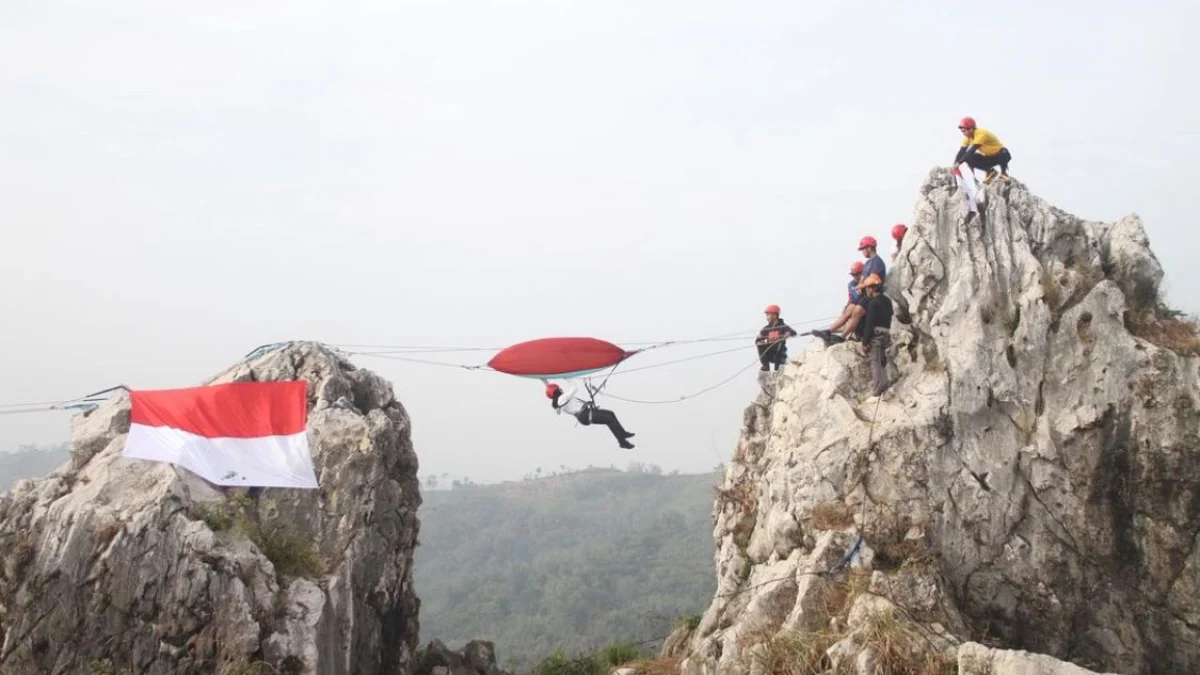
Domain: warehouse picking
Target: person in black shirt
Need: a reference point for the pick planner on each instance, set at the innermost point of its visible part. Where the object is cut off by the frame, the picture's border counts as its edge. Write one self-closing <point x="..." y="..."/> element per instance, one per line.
<point x="877" y="335"/>
<point x="772" y="340"/>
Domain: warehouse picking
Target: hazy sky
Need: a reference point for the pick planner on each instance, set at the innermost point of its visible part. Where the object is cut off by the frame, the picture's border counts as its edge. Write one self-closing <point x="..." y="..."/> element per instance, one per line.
<point x="181" y="182"/>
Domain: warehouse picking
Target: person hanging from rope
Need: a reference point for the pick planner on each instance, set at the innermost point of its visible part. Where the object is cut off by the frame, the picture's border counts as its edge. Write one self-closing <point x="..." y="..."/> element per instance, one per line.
<point x="772" y="340"/>
<point x="876" y="334"/>
<point x="587" y="413"/>
<point x="982" y="150"/>
<point x="849" y="323"/>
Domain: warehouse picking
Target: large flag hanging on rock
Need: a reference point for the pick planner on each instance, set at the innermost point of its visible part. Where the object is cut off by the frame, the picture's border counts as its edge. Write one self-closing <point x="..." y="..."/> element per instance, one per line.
<point x="243" y="434"/>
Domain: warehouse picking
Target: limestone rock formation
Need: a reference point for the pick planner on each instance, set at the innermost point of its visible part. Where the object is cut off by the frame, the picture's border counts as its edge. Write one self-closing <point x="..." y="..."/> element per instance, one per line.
<point x="1032" y="480"/>
<point x="117" y="565"/>
<point x="477" y="657"/>
<point x="975" y="659"/>
<point x="675" y="644"/>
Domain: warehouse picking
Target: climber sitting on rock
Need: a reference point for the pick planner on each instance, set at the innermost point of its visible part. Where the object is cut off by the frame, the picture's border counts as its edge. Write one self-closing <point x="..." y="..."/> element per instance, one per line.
<point x="876" y="335"/>
<point x="849" y="322"/>
<point x="852" y="298"/>
<point x="587" y="413"/>
<point x="982" y="150"/>
<point x="772" y="340"/>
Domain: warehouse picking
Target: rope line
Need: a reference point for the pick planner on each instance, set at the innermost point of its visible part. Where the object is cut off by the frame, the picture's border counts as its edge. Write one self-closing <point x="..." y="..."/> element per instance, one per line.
<point x="411" y="353"/>
<point x="33" y="403"/>
<point x="463" y="366"/>
<point x="684" y="360"/>
<point x="420" y="349"/>
<point x="686" y="397"/>
<point x="394" y="357"/>
<point x="357" y="348"/>
<point x="86" y="401"/>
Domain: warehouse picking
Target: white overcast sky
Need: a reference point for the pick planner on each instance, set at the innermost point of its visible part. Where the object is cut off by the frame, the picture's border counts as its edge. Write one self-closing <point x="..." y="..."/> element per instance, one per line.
<point x="181" y="182"/>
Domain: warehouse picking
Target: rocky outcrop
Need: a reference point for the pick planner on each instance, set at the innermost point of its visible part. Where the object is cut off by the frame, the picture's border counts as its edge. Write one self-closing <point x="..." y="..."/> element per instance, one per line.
<point x="477" y="657"/>
<point x="975" y="659"/>
<point x="1031" y="479"/>
<point x="675" y="644"/>
<point x="130" y="566"/>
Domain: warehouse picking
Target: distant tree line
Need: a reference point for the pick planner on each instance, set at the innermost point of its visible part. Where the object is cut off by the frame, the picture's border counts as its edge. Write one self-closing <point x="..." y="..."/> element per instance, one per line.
<point x="30" y="461"/>
<point x="571" y="562"/>
<point x="444" y="481"/>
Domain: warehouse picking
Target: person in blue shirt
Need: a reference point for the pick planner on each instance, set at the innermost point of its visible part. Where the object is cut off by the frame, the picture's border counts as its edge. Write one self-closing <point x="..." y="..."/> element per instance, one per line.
<point x="850" y="322"/>
<point x="856" y="271"/>
<point x="872" y="264"/>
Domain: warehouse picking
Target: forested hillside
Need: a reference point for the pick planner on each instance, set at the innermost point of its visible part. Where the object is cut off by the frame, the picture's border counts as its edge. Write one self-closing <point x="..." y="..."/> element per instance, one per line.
<point x="572" y="562"/>
<point x="29" y="461"/>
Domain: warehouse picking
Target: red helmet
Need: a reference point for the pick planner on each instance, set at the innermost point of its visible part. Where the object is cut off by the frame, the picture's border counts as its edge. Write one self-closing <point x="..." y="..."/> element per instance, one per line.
<point x="552" y="389"/>
<point x="857" y="267"/>
<point x="867" y="241"/>
<point x="898" y="230"/>
<point x="772" y="309"/>
<point x="966" y="123"/>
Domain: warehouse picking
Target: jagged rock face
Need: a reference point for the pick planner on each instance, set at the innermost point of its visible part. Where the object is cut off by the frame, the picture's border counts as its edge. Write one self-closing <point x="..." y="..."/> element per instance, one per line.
<point x="976" y="659"/>
<point x="1037" y="459"/>
<point x="477" y="657"/>
<point x="140" y="567"/>
<point x="676" y="643"/>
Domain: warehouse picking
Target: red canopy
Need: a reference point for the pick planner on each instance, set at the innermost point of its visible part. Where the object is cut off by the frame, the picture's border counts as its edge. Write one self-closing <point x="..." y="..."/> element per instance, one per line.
<point x="558" y="357"/>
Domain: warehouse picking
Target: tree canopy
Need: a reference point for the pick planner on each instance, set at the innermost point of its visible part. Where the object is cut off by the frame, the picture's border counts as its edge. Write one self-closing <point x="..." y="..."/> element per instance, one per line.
<point x="571" y="562"/>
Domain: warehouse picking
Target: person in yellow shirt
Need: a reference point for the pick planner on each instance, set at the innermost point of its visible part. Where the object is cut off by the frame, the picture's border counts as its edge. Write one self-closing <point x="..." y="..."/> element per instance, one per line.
<point x="982" y="150"/>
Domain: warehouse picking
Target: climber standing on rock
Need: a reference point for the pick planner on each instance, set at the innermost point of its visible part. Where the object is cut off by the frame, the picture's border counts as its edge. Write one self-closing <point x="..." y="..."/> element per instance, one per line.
<point x="876" y="335"/>
<point x="982" y="150"/>
<point x="850" y="321"/>
<point x="772" y="340"/>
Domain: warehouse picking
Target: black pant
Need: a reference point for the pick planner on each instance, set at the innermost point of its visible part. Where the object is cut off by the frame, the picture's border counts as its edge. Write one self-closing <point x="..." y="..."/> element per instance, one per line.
<point x="1001" y="159"/>
<point x="772" y="354"/>
<point x="880" y="341"/>
<point x="608" y="418"/>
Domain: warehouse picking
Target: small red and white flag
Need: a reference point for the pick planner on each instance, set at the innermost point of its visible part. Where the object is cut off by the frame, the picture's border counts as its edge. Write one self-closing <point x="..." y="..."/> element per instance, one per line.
<point x="242" y="434"/>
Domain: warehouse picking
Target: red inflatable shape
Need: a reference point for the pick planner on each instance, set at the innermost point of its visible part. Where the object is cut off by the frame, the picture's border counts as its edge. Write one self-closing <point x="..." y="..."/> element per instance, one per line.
<point x="558" y="357"/>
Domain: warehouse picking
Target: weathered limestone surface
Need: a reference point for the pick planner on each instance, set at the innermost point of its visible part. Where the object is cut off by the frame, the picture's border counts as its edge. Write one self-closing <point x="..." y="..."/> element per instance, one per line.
<point x="138" y="567"/>
<point x="1033" y="476"/>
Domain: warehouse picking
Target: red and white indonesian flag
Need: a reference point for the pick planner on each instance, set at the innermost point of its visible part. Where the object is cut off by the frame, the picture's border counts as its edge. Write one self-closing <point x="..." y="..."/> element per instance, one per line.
<point x="243" y="434"/>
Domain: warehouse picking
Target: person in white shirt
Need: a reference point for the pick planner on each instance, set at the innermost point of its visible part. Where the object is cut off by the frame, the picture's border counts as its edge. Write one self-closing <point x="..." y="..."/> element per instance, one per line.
<point x="587" y="413"/>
